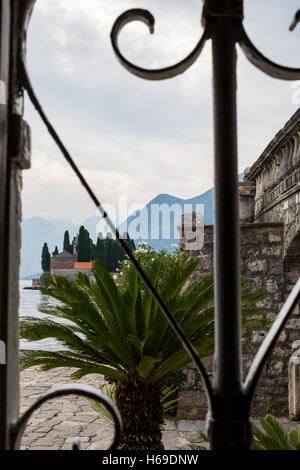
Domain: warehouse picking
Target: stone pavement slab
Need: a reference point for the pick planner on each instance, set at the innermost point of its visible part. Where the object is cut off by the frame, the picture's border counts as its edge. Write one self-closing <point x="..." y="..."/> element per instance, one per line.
<point x="58" y="422"/>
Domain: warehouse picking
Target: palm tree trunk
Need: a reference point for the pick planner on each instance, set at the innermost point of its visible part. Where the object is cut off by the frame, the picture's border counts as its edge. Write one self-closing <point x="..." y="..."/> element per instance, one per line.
<point x="139" y="402"/>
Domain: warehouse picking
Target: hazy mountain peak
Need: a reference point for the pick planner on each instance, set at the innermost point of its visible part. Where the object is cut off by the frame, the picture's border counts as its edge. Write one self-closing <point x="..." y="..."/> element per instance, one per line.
<point x="37" y="230"/>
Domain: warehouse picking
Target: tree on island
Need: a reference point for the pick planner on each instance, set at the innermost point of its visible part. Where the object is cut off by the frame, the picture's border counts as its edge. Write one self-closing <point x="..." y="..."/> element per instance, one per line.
<point x="106" y="249"/>
<point x="55" y="252"/>
<point x="67" y="245"/>
<point x="46" y="259"/>
<point x="111" y="252"/>
<point x="100" y="249"/>
<point x="83" y="245"/>
<point x="91" y="247"/>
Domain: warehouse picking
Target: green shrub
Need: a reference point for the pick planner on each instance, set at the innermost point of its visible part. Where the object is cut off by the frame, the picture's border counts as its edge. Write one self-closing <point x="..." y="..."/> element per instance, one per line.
<point x="273" y="437"/>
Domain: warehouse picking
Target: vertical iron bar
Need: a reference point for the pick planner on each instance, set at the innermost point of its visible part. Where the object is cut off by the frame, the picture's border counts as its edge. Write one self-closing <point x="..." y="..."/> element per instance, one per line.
<point x="226" y="428"/>
<point x="5" y="24"/>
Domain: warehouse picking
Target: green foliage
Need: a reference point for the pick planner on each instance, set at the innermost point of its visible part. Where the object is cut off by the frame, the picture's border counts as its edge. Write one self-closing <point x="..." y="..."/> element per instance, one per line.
<point x="107" y="250"/>
<point x="145" y="255"/>
<point x="55" y="252"/>
<point x="114" y="329"/>
<point x="273" y="437"/>
<point x="195" y="446"/>
<point x="46" y="258"/>
<point x="100" y="251"/>
<point x="83" y="245"/>
<point x="175" y="383"/>
<point x="67" y="245"/>
<point x="111" y="252"/>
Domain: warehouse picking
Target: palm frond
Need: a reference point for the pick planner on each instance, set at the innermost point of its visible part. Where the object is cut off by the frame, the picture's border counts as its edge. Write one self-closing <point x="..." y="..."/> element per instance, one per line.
<point x="110" y="293"/>
<point x="294" y="438"/>
<point x="114" y="327"/>
<point x="51" y="360"/>
<point x="273" y="437"/>
<point x="146" y="366"/>
<point x="274" y="430"/>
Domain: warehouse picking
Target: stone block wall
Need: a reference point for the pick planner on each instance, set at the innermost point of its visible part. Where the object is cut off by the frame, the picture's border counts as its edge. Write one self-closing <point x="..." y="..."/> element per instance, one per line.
<point x="71" y="273"/>
<point x="262" y="263"/>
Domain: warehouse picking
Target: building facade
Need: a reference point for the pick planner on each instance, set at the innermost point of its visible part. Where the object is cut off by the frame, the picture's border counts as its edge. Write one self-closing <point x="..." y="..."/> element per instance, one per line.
<point x="270" y="259"/>
<point x="65" y="264"/>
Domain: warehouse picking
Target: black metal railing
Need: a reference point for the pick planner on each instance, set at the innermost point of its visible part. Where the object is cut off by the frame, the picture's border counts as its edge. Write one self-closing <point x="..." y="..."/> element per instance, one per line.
<point x="229" y="398"/>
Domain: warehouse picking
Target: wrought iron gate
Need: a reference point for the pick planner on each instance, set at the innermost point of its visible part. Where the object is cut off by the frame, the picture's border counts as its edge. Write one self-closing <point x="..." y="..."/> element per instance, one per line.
<point x="229" y="399"/>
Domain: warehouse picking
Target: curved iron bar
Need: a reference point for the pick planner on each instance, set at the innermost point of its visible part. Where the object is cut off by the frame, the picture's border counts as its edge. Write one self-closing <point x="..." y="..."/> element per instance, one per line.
<point x="267" y="66"/>
<point x="263" y="63"/>
<point x="270" y="340"/>
<point x="176" y="327"/>
<point x="138" y="14"/>
<point x="296" y="20"/>
<point x="18" y="428"/>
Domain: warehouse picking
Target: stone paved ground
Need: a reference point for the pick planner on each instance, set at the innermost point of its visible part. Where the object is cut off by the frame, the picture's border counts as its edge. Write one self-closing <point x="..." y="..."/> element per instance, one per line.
<point x="59" y="421"/>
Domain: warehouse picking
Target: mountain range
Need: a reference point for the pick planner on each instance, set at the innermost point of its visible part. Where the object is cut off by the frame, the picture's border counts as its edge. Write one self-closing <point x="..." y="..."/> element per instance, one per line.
<point x="37" y="230"/>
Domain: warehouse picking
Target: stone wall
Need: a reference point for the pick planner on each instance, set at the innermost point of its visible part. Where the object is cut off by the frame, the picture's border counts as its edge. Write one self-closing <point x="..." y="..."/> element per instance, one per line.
<point x="270" y="259"/>
<point x="276" y="175"/>
<point x="262" y="263"/>
<point x="71" y="273"/>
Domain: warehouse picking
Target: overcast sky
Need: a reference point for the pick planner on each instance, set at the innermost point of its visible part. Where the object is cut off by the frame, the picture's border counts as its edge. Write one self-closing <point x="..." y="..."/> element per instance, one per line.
<point x="133" y="137"/>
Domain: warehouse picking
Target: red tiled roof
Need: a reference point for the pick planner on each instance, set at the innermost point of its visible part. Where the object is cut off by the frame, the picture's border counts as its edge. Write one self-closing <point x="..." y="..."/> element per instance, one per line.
<point x="83" y="265"/>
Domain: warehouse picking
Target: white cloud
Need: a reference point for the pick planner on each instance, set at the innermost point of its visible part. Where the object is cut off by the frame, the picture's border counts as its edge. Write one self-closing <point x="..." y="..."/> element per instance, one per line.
<point x="131" y="136"/>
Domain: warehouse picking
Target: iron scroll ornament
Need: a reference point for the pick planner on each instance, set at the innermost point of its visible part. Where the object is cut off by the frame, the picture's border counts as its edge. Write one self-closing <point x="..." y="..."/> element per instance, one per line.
<point x="223" y="22"/>
<point x="264" y="64"/>
<point x="254" y="56"/>
<point x="17" y="429"/>
<point x="146" y="17"/>
<point x="275" y="70"/>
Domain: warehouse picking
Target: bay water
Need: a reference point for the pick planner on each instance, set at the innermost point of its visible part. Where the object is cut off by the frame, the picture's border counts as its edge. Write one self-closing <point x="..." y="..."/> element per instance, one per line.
<point x="30" y="301"/>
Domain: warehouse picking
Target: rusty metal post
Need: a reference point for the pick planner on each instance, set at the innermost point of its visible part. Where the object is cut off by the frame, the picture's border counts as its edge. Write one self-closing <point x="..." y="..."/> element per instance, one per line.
<point x="14" y="156"/>
<point x="5" y="31"/>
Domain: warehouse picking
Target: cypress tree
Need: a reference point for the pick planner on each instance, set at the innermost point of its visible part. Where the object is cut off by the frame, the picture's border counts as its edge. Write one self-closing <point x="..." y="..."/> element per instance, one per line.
<point x="108" y="254"/>
<point x="100" y="249"/>
<point x="46" y="259"/>
<point x="105" y="244"/>
<point x="55" y="252"/>
<point x="110" y="251"/>
<point x="82" y="254"/>
<point x="85" y="245"/>
<point x="91" y="248"/>
<point x="67" y="244"/>
<point x="131" y="244"/>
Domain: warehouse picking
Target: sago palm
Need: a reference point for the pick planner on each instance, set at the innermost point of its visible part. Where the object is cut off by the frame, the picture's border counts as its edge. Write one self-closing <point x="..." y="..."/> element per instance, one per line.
<point x="118" y="331"/>
<point x="272" y="436"/>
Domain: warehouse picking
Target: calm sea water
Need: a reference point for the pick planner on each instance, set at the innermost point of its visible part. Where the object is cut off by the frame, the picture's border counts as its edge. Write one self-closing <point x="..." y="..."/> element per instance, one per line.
<point x="30" y="301"/>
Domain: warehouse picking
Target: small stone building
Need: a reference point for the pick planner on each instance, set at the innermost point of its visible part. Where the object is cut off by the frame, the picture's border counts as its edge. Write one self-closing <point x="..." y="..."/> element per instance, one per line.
<point x="65" y="264"/>
<point x="62" y="262"/>
<point x="270" y="259"/>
